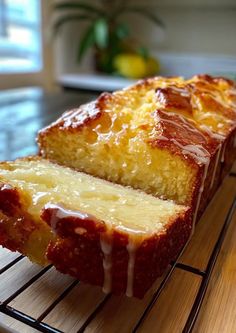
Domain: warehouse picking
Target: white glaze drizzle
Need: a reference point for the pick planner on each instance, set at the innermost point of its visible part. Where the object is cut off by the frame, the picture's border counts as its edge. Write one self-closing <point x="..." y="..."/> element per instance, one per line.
<point x="215" y="165"/>
<point x="106" y="247"/>
<point x="181" y="90"/>
<point x="60" y="213"/>
<point x="105" y="241"/>
<point x="200" y="194"/>
<point x="6" y="187"/>
<point x="214" y="135"/>
<point x="54" y="220"/>
<point x="188" y="124"/>
<point x="38" y="196"/>
<point x="191" y="128"/>
<point x="133" y="231"/>
<point x="200" y="154"/>
<point x="223" y="153"/>
<point x="131" y="248"/>
<point x="221" y="138"/>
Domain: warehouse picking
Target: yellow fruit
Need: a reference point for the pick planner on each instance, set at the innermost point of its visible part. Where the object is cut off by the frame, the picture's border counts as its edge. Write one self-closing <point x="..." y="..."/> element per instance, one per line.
<point x="135" y="66"/>
<point x="130" y="65"/>
<point x="153" y="66"/>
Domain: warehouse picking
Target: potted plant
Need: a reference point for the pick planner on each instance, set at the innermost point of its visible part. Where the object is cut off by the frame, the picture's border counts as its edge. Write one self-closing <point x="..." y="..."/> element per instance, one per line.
<point x="109" y="35"/>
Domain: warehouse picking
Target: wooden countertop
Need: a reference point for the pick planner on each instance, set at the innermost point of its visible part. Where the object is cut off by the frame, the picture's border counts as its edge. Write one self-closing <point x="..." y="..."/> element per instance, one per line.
<point x="120" y="314"/>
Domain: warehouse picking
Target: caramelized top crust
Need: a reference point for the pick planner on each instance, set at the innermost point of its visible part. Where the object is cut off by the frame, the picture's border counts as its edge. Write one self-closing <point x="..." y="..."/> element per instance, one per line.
<point x="79" y="117"/>
<point x="191" y="117"/>
<point x="182" y="137"/>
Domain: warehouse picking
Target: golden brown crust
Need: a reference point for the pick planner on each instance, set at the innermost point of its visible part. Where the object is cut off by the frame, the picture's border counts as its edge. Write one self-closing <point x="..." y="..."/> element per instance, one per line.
<point x="174" y="132"/>
<point x="191" y="102"/>
<point x="80" y="254"/>
<point x="85" y="115"/>
<point x="16" y="226"/>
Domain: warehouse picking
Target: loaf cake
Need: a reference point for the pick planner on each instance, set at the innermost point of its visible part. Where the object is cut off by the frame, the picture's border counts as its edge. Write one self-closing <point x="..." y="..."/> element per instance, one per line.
<point x="170" y="137"/>
<point x="101" y="233"/>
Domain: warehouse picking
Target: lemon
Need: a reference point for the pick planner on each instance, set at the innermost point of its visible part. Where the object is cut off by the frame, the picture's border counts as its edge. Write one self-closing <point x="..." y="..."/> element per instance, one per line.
<point x="135" y="66"/>
<point x="130" y="65"/>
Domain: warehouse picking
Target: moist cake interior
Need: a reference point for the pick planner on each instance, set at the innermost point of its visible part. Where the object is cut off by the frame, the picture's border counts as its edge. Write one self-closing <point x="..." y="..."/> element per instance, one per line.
<point x="120" y="207"/>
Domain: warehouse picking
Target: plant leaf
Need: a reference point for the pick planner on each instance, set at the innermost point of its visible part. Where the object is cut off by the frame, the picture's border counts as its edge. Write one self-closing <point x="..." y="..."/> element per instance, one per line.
<point x="143" y="11"/>
<point x="79" y="5"/>
<point x="56" y="26"/>
<point x="86" y="42"/>
<point x="101" y="33"/>
<point x="122" y="30"/>
<point x="143" y="52"/>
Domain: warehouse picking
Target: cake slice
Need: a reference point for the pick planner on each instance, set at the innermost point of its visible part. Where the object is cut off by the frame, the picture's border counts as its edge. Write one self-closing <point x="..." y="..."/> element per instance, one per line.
<point x="170" y="137"/>
<point x="101" y="233"/>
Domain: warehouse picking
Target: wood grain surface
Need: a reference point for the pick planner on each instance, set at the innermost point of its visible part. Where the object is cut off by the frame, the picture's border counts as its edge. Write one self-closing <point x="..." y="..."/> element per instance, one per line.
<point x="218" y="313"/>
<point x="208" y="228"/>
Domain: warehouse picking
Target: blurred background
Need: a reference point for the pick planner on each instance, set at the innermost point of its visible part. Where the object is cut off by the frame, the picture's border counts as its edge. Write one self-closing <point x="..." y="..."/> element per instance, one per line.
<point x="104" y="44"/>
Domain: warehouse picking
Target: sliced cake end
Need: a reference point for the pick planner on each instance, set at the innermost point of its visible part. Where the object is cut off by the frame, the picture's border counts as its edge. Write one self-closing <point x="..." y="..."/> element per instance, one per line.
<point x="99" y="232"/>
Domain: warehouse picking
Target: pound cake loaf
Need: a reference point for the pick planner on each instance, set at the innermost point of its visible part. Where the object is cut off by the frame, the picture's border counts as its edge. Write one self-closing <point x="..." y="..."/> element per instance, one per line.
<point x="101" y="233"/>
<point x="170" y="137"/>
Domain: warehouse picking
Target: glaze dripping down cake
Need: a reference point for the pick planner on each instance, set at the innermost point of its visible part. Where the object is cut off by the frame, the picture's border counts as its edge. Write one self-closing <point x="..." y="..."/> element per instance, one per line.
<point x="170" y="137"/>
<point x="101" y="233"/>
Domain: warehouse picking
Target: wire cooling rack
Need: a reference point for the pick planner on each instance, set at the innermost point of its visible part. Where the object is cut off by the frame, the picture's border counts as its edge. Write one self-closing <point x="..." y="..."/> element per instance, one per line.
<point x="39" y="324"/>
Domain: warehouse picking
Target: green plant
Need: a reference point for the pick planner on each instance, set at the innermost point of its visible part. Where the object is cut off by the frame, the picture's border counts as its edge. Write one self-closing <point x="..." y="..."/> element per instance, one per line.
<point x="106" y="31"/>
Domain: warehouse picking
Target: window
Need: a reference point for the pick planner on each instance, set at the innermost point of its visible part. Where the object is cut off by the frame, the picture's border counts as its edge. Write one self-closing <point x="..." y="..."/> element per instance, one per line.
<point x="20" y="42"/>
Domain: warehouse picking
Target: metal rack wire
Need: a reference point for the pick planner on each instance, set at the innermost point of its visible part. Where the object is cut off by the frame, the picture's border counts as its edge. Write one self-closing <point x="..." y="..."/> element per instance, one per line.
<point x="205" y="275"/>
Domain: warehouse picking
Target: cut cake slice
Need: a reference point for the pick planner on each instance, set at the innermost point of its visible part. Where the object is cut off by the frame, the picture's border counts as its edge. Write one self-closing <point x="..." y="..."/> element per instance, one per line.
<point x="101" y="233"/>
